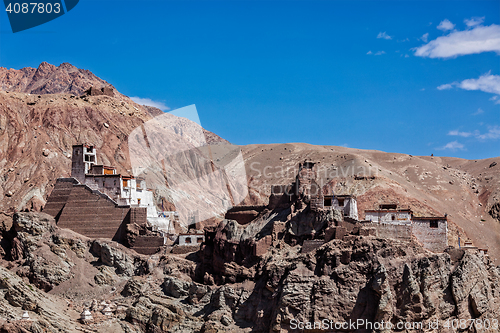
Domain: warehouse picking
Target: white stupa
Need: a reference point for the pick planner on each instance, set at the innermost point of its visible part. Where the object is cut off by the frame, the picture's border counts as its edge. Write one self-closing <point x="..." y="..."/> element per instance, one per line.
<point x="107" y="311"/>
<point x="86" y="315"/>
<point x="26" y="315"/>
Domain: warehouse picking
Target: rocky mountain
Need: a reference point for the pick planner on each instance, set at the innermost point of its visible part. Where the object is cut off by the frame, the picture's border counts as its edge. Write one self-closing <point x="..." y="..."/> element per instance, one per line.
<point x="42" y="115"/>
<point x="468" y="191"/>
<point x="52" y="112"/>
<point x="55" y="275"/>
<point x="49" y="79"/>
<point x="265" y="276"/>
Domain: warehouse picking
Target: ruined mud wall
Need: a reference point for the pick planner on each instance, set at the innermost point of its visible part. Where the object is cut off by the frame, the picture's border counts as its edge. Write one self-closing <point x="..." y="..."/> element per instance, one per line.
<point x="432" y="239"/>
<point x="393" y="231"/>
<point x="146" y="244"/>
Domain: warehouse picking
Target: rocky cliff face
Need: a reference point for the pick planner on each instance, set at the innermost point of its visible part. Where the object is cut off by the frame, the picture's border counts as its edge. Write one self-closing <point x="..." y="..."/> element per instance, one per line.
<point x="49" y="79"/>
<point x="57" y="274"/>
<point x="44" y="111"/>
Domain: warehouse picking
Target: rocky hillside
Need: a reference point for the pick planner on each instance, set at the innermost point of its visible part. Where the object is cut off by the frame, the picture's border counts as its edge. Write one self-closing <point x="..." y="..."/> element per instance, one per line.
<point x="230" y="284"/>
<point x="43" y="113"/>
<point x="467" y="190"/>
<point x="49" y="79"/>
<point x="55" y="274"/>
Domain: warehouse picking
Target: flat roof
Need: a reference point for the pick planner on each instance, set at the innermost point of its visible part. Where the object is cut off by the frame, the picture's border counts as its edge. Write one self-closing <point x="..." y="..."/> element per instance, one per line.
<point x="387" y="210"/>
<point x="433" y="218"/>
<point x="86" y="145"/>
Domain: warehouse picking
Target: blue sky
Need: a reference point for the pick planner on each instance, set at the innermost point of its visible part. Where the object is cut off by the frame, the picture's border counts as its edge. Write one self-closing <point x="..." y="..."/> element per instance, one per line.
<point x="416" y="77"/>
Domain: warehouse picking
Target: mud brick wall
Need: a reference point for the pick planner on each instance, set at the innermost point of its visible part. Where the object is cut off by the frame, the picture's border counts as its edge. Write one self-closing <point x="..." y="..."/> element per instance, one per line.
<point x="244" y="214"/>
<point x="138" y="215"/>
<point x="147" y="244"/>
<point x="93" y="214"/>
<point x="317" y="203"/>
<point x="432" y="239"/>
<point x="58" y="197"/>
<point x="311" y="245"/>
<point x="393" y="231"/>
<point x="262" y="245"/>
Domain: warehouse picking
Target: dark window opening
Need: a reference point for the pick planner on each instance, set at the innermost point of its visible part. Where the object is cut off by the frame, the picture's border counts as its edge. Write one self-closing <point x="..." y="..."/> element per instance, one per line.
<point x="89" y="158"/>
<point x="341" y="202"/>
<point x="328" y="201"/>
<point x="393" y="217"/>
<point x="188" y="240"/>
<point x="434" y="224"/>
<point x="200" y="240"/>
<point x="308" y="165"/>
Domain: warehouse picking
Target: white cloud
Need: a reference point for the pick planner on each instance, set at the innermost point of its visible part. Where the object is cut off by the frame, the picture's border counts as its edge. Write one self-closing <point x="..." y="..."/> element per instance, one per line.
<point x="495" y="99"/>
<point x="454" y="145"/>
<point x="150" y="102"/>
<point x="446" y="86"/>
<point x="425" y="37"/>
<point x="445" y="25"/>
<point x="463" y="134"/>
<point x="380" y="53"/>
<point x="478" y="112"/>
<point x="383" y="35"/>
<point x="476" y="40"/>
<point x="493" y="133"/>
<point x="487" y="83"/>
<point x="407" y="56"/>
<point x="473" y="21"/>
<point x="369" y="52"/>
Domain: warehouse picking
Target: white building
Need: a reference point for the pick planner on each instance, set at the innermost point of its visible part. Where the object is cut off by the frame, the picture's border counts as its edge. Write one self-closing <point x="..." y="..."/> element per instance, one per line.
<point x="191" y="239"/>
<point x="346" y="203"/>
<point x="124" y="190"/>
<point x="389" y="214"/>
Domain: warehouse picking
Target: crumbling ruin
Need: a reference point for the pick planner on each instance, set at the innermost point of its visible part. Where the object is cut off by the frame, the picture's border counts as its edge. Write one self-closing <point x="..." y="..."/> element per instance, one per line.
<point x="307" y="214"/>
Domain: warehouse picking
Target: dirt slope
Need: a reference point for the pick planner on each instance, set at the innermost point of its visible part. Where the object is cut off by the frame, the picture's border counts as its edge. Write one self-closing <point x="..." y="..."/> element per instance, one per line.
<point x="465" y="190"/>
<point x="41" y="117"/>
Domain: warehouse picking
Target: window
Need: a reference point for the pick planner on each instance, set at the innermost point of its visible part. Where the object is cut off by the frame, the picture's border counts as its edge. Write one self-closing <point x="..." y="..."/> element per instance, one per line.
<point x="125" y="183"/>
<point x="434" y="224"/>
<point x="328" y="201"/>
<point x="188" y="240"/>
<point x="200" y="240"/>
<point x="138" y="201"/>
<point x="341" y="202"/>
<point x="89" y="158"/>
<point x="393" y="217"/>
